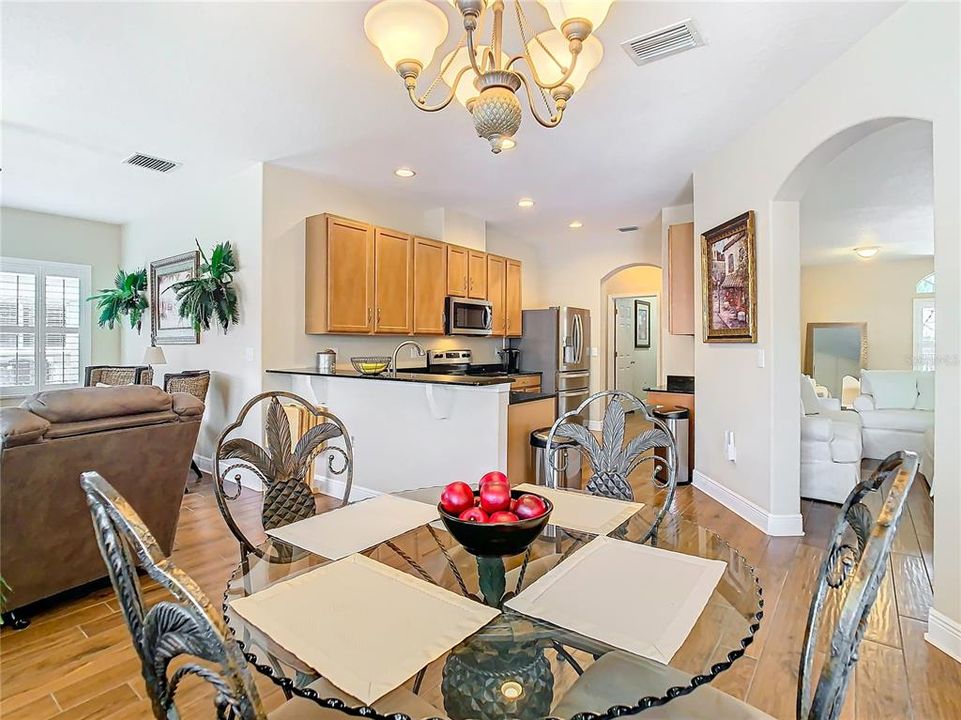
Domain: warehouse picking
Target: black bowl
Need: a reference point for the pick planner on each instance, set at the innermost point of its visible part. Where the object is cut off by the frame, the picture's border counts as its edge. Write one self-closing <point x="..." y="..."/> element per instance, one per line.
<point x="496" y="539"/>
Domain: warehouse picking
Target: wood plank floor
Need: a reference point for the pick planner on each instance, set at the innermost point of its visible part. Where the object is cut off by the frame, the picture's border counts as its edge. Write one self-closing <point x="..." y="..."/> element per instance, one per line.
<point x="76" y="661"/>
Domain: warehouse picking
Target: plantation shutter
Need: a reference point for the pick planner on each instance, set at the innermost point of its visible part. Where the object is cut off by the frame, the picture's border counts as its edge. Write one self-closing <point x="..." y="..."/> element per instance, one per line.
<point x="18" y="330"/>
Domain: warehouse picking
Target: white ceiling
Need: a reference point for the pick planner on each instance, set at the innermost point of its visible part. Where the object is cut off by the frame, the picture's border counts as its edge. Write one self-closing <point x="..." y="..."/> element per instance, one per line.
<point x="877" y="192"/>
<point x="219" y="86"/>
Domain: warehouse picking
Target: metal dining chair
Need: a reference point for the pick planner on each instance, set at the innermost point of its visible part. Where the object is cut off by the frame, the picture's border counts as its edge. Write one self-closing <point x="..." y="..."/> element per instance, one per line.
<point x="194" y="382"/>
<point x="851" y="572"/>
<point x="282" y="467"/>
<point x="612" y="461"/>
<point x="190" y="626"/>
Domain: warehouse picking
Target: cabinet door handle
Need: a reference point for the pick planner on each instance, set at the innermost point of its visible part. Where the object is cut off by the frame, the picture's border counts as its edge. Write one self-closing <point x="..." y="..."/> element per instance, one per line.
<point x="378" y="316"/>
<point x="370" y="314"/>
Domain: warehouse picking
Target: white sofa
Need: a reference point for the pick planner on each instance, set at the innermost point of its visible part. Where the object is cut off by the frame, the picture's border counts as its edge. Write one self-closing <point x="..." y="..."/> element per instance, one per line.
<point x="896" y="409"/>
<point x="830" y="447"/>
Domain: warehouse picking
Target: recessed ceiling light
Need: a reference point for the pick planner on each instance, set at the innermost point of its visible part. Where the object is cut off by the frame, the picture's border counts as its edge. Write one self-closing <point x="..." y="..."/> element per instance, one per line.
<point x="525" y="203"/>
<point x="868" y="251"/>
<point x="575" y="224"/>
<point x="404" y="172"/>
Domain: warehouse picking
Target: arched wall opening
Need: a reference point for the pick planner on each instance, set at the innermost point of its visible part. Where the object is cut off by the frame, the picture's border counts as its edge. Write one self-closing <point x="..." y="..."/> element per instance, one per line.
<point x="626" y="281"/>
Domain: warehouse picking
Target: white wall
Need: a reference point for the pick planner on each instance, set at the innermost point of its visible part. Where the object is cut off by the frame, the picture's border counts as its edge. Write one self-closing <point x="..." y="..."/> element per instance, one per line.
<point x="290" y="196"/>
<point x="41" y="236"/>
<point x="229" y="211"/>
<point x="908" y="66"/>
<point x="875" y="291"/>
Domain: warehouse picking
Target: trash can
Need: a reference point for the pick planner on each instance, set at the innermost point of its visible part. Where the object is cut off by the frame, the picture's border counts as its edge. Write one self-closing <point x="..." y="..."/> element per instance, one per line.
<point x="568" y="460"/>
<point x="678" y="421"/>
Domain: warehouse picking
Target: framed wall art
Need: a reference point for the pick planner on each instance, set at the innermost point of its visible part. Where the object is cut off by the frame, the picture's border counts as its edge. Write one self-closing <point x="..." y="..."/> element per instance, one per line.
<point x="729" y="281"/>
<point x="166" y="325"/>
<point x="642" y="324"/>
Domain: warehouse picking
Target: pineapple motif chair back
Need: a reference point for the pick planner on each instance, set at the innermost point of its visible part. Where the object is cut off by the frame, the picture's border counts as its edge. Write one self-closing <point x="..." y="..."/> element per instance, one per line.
<point x="851" y="572"/>
<point x="282" y="467"/>
<point x="188" y="625"/>
<point x="612" y="461"/>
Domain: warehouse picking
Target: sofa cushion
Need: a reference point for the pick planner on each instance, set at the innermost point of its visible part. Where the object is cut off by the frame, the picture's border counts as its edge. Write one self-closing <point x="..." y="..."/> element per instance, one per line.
<point x="187" y="405"/>
<point x="892" y="389"/>
<point x="91" y="403"/>
<point x="19" y="427"/>
<point x="925" y="399"/>
<point x="84" y="427"/>
<point x="907" y="420"/>
<point x="809" y="396"/>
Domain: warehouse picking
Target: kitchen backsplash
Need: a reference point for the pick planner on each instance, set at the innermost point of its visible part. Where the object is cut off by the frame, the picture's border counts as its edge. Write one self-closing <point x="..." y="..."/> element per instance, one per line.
<point x="347" y="346"/>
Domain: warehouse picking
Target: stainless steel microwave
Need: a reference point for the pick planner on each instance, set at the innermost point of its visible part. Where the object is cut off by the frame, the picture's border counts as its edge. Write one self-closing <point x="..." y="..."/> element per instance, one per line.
<point x="468" y="317"/>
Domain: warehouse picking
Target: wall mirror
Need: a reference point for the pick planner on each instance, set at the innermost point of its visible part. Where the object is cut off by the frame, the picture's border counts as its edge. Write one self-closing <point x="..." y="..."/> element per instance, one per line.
<point x="833" y="350"/>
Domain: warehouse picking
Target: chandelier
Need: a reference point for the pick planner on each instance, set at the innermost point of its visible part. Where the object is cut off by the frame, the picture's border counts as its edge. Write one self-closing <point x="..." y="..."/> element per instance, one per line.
<point x="551" y="66"/>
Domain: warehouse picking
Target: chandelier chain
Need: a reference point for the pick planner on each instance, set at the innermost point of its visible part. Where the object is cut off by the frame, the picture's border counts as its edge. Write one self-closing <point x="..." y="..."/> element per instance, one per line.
<point x="525" y="30"/>
<point x="444" y="68"/>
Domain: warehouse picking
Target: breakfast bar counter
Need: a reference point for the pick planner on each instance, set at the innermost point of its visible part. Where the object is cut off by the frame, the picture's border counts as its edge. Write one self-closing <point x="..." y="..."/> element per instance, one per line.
<point x="401" y="376"/>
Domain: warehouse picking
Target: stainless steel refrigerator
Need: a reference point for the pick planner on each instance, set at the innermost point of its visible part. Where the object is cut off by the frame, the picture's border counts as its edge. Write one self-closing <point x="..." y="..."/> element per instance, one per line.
<point x="557" y="342"/>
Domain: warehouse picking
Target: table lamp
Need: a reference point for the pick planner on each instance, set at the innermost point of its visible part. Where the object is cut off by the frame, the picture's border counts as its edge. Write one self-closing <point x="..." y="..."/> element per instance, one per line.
<point x="154" y="355"/>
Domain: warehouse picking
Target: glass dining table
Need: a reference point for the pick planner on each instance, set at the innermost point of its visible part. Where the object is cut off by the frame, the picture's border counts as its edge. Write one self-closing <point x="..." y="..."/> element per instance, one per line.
<point x="517" y="666"/>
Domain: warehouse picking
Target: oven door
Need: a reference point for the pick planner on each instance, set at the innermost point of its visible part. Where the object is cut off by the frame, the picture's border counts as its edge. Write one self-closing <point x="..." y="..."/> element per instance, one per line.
<point x="469" y="317"/>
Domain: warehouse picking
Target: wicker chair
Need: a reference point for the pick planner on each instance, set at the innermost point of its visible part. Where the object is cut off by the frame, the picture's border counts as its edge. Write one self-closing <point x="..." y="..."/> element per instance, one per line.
<point x="117" y="375"/>
<point x="283" y="467"/>
<point x="847" y="585"/>
<point x="194" y="382"/>
<point x="190" y="626"/>
<point x="611" y="461"/>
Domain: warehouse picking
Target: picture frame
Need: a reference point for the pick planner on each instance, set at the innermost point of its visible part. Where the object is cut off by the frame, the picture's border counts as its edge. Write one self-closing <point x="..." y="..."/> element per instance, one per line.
<point x="642" y="324"/>
<point x="729" y="282"/>
<point x="166" y="325"/>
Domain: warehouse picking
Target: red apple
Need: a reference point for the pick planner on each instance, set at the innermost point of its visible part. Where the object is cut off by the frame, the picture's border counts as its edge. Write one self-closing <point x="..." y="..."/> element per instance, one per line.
<point x="530" y="506"/>
<point x="457" y="497"/>
<point x="514" y="506"/>
<point x="473" y="514"/>
<point x="494" y="497"/>
<point x="493" y="476"/>
<point x="502" y="516"/>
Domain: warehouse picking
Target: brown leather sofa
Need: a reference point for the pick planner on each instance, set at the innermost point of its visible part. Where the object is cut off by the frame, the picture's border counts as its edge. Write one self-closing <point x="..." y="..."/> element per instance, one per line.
<point x="137" y="436"/>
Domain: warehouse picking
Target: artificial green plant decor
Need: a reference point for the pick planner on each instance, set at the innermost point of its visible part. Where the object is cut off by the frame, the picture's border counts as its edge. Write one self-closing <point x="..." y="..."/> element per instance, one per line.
<point x="127" y="297"/>
<point x="210" y="294"/>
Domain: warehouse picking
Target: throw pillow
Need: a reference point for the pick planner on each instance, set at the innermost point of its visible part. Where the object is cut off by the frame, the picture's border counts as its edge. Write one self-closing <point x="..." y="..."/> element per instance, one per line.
<point x="809" y="396"/>
<point x="892" y="389"/>
<point x="925" y="399"/>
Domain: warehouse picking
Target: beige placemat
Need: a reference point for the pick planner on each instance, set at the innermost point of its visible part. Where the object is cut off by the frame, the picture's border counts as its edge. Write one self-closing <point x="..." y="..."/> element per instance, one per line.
<point x="635" y="597"/>
<point x="584" y="512"/>
<point x="364" y="626"/>
<point x="355" y="527"/>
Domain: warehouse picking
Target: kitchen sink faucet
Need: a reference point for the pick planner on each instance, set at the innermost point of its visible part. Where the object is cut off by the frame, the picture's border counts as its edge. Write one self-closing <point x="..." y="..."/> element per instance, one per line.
<point x="393" y="358"/>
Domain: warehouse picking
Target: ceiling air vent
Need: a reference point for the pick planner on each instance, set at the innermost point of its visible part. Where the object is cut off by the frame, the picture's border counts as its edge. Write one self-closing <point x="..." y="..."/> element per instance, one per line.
<point x="655" y="45"/>
<point x="628" y="228"/>
<point x="151" y="163"/>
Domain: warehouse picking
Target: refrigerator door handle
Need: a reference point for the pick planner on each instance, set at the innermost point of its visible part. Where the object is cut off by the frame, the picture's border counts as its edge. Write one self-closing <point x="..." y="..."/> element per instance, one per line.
<point x="578" y="339"/>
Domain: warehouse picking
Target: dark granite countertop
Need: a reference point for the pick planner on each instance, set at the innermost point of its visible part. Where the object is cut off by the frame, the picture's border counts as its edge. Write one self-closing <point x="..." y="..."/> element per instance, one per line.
<point x="402" y="376"/>
<point x="518" y="397"/>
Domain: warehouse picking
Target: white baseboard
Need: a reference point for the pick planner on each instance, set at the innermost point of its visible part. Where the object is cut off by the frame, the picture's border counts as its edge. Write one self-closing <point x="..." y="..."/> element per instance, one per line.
<point x="944" y="633"/>
<point x="780" y="525"/>
<point x="334" y="487"/>
<point x="204" y="463"/>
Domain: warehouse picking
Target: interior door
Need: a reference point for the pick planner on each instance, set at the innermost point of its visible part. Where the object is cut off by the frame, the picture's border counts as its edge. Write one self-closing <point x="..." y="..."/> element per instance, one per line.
<point x="392" y="282"/>
<point x="430" y="286"/>
<point x="350" y="276"/>
<point x="497" y="293"/>
<point x="476" y="275"/>
<point x="514" y="314"/>
<point x="456" y="271"/>
<point x="624" y="345"/>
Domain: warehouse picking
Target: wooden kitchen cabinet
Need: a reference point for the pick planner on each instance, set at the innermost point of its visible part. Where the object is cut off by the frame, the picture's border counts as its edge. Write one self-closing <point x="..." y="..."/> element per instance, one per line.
<point x="393" y="277"/>
<point x="476" y="275"/>
<point x="680" y="279"/>
<point x="512" y="301"/>
<point x="497" y="293"/>
<point x="523" y="419"/>
<point x="339" y="266"/>
<point x="430" y="286"/>
<point x="456" y="271"/>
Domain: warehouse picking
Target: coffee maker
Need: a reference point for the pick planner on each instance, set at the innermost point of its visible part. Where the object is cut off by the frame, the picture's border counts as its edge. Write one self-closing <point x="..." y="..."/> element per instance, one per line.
<point x="510" y="359"/>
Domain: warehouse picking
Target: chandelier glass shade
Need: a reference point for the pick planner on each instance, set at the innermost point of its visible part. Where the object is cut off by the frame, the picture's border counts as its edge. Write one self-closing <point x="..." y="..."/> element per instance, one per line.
<point x="550" y="67"/>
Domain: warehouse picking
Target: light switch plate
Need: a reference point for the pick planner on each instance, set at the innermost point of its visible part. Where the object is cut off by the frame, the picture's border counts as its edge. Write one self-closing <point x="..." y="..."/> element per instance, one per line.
<point x="594" y="352"/>
<point x="760" y="357"/>
<point x="249" y="354"/>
